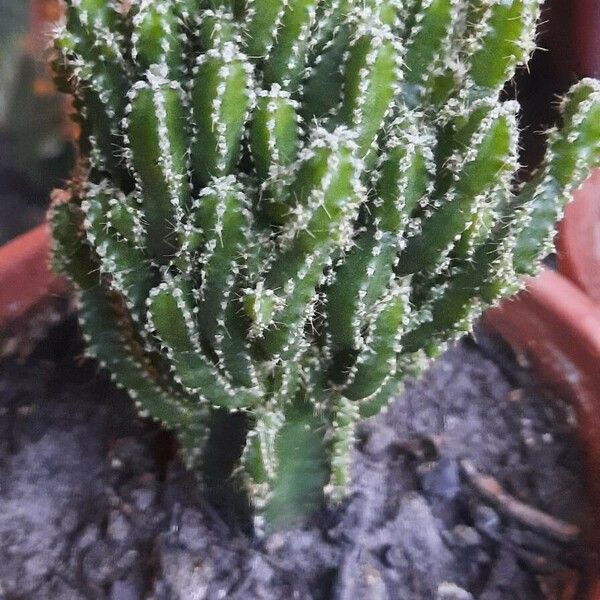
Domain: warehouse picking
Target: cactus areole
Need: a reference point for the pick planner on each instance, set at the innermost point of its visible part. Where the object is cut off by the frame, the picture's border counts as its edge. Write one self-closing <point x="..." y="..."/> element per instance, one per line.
<point x="285" y="207"/>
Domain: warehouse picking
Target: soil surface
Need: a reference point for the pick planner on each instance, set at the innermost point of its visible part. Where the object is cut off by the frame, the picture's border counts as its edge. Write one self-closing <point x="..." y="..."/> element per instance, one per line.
<point x="93" y="505"/>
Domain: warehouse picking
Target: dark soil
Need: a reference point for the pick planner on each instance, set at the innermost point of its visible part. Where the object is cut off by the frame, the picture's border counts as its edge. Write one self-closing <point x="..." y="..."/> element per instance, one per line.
<point x="93" y="504"/>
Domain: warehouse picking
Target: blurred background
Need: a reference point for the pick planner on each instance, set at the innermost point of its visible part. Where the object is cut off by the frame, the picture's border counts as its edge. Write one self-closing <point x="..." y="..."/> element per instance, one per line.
<point x="36" y="151"/>
<point x="36" y="133"/>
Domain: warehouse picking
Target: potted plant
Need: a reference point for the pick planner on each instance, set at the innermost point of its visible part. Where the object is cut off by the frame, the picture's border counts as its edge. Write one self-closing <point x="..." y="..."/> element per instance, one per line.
<point x="265" y="240"/>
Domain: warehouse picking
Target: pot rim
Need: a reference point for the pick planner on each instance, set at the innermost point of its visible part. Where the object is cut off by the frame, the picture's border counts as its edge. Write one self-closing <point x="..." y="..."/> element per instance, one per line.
<point x="578" y="240"/>
<point x="26" y="278"/>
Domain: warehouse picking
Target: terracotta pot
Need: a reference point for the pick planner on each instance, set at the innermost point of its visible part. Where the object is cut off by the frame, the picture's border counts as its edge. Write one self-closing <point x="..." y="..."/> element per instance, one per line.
<point x="578" y="241"/>
<point x="555" y="326"/>
<point x="31" y="296"/>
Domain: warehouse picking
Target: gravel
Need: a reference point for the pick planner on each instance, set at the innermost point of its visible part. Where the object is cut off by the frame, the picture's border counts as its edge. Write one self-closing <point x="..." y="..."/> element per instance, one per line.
<point x="94" y="503"/>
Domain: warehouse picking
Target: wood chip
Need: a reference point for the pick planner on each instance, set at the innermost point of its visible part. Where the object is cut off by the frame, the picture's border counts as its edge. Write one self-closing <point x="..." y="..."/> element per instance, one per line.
<point x="489" y="488"/>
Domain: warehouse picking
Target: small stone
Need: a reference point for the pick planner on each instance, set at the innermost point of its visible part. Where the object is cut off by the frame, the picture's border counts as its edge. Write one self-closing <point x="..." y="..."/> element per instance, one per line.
<point x="465" y="536"/>
<point x="360" y="576"/>
<point x="440" y="479"/>
<point x="125" y="590"/>
<point x="161" y="591"/>
<point x="379" y="440"/>
<point x="523" y="361"/>
<point x="417" y="540"/>
<point x="261" y="569"/>
<point x="515" y="395"/>
<point x="118" y="527"/>
<point x="70" y="521"/>
<point x="143" y="498"/>
<point x="130" y="454"/>
<point x="450" y="591"/>
<point x="25" y="410"/>
<point x="487" y="520"/>
<point x="55" y="589"/>
<point x="37" y="566"/>
<point x="505" y="573"/>
<point x="98" y="564"/>
<point x="304" y="550"/>
<point x="88" y="537"/>
<point x="127" y="561"/>
<point x="192" y="531"/>
<point x="275" y="542"/>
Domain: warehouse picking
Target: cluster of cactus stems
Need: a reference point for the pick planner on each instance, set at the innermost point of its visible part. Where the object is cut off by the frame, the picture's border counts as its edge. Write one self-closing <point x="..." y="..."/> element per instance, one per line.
<point x="285" y="207"/>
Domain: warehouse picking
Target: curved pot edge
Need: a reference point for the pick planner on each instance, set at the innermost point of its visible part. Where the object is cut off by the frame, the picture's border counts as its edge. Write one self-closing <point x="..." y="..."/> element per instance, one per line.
<point x="578" y="239"/>
<point x="555" y="327"/>
<point x="26" y="279"/>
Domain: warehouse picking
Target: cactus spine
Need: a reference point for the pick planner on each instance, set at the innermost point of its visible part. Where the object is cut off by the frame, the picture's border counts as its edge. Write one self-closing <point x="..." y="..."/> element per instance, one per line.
<point x="288" y="206"/>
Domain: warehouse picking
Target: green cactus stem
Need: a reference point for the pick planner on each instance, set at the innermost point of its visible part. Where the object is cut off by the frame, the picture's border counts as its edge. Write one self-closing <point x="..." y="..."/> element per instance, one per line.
<point x="285" y="208"/>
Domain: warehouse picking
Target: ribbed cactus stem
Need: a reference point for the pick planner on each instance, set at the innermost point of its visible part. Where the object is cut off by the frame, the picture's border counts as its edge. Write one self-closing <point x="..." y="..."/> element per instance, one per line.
<point x="429" y="38"/>
<point x="275" y="131"/>
<point x="363" y="275"/>
<point x="155" y="128"/>
<point x="372" y="76"/>
<point x="506" y="38"/>
<point x="156" y="39"/>
<point x="91" y="64"/>
<point x="285" y="61"/>
<point x="377" y="360"/>
<point x="220" y="99"/>
<point x="475" y="171"/>
<point x="263" y="19"/>
<point x="125" y="263"/>
<point x="215" y="27"/>
<point x="171" y="315"/>
<point x="287" y="207"/>
<point x="405" y="178"/>
<point x="110" y="337"/>
<point x="572" y="152"/>
<point x="327" y="192"/>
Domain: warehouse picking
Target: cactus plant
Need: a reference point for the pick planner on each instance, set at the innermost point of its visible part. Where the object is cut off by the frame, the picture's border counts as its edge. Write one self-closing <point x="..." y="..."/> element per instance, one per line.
<point x="285" y="208"/>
